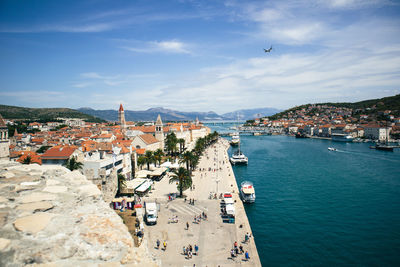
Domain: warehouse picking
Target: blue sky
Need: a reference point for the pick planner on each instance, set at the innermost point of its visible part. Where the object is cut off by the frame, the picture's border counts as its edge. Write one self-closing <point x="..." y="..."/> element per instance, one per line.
<point x="197" y="55"/>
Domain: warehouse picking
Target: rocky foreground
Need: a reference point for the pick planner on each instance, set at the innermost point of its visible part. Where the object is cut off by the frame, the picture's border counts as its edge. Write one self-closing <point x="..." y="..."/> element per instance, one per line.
<point x="51" y="216"/>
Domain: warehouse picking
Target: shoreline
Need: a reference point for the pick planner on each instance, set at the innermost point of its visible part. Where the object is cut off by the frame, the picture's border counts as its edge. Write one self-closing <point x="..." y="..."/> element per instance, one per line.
<point x="214" y="238"/>
<point x="241" y="212"/>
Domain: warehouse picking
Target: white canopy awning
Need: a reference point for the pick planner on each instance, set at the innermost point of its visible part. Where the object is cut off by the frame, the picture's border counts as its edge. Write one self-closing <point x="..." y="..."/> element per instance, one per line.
<point x="144" y="187"/>
<point x="133" y="184"/>
<point x="142" y="174"/>
<point x="158" y="171"/>
<point x="166" y="164"/>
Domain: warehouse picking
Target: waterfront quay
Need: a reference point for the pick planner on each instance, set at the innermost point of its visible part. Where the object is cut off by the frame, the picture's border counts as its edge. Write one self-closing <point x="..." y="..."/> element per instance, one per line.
<point x="214" y="238"/>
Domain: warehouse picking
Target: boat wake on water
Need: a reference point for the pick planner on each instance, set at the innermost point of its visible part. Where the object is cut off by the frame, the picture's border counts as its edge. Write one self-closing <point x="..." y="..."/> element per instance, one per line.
<point x="365" y="154"/>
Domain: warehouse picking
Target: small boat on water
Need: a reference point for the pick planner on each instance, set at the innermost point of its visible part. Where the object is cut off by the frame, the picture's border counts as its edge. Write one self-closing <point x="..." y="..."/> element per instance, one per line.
<point x="235" y="139"/>
<point x="382" y="147"/>
<point x="332" y="149"/>
<point x="239" y="158"/>
<point x="247" y="192"/>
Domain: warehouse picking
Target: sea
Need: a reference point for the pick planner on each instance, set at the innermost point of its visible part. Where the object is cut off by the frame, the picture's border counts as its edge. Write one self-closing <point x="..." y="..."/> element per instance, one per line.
<point x="316" y="207"/>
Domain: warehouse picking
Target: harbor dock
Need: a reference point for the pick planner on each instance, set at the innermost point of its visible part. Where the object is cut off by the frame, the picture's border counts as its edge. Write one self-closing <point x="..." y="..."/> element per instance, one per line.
<point x="214" y="238"/>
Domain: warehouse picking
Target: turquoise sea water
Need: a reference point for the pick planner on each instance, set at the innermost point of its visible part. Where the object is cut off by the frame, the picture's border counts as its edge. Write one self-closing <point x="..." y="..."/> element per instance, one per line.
<point x="316" y="207"/>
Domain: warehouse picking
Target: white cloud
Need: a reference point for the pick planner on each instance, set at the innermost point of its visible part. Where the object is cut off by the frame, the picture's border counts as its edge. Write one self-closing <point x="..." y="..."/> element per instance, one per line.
<point x="170" y="46"/>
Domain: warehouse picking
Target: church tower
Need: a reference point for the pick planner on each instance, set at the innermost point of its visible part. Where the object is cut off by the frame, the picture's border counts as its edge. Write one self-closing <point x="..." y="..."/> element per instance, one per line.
<point x="4" y="141"/>
<point x="121" y="118"/>
<point x="159" y="133"/>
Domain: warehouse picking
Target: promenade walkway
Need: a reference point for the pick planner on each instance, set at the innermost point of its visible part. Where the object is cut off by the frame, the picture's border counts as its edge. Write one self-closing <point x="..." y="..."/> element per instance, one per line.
<point x="214" y="238"/>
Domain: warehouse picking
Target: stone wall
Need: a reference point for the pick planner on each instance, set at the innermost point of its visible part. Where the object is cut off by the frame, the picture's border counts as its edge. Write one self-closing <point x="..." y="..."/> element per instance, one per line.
<point x="54" y="217"/>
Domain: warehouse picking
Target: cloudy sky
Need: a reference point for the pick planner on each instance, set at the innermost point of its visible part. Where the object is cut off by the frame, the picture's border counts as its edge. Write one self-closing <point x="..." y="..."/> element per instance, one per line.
<point x="197" y="55"/>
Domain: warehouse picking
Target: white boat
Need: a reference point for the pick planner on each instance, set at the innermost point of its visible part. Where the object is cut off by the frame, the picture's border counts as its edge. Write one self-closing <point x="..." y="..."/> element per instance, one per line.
<point x="247" y="193"/>
<point x="235" y="139"/>
<point x="342" y="137"/>
<point x="239" y="158"/>
<point x="332" y="149"/>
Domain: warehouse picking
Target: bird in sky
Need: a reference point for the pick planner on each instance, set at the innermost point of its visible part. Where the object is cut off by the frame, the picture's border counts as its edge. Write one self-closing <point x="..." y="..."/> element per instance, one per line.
<point x="268" y="50"/>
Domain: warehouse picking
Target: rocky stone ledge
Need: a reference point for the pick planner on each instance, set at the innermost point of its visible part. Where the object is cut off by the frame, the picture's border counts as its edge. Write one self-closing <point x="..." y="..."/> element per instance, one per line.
<point x="50" y="216"/>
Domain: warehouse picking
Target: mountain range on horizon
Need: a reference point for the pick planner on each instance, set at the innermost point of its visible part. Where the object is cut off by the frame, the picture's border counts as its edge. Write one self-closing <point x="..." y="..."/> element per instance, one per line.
<point x="174" y="115"/>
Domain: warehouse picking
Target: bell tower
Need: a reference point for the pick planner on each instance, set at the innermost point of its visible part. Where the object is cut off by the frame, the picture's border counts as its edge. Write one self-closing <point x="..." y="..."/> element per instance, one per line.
<point x="4" y="141"/>
<point x="121" y="118"/>
<point x="159" y="132"/>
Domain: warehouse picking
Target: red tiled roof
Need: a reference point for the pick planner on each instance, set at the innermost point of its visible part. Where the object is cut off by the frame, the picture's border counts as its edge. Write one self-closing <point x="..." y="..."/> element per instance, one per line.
<point x="140" y="151"/>
<point x="148" y="138"/>
<point x="59" y="152"/>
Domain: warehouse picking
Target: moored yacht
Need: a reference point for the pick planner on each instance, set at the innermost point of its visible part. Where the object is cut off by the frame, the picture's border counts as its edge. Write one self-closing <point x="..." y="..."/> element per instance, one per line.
<point x="239" y="158"/>
<point x="247" y="192"/>
<point x="235" y="139"/>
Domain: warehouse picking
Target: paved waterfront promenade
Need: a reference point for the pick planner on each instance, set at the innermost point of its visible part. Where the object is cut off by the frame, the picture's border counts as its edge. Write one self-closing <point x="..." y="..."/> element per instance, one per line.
<point x="214" y="238"/>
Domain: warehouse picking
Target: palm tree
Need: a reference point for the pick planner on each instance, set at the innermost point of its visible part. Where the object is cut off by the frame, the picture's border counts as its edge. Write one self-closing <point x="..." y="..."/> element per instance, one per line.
<point x="149" y="157"/>
<point x="73" y="164"/>
<point x="194" y="161"/>
<point x="171" y="142"/>
<point x="27" y="160"/>
<point x="141" y="161"/>
<point x="158" y="154"/>
<point x="186" y="158"/>
<point x="183" y="178"/>
<point x="181" y="142"/>
<point x="121" y="182"/>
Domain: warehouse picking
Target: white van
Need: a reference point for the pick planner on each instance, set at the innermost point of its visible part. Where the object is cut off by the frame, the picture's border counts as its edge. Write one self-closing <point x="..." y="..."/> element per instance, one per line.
<point x="150" y="215"/>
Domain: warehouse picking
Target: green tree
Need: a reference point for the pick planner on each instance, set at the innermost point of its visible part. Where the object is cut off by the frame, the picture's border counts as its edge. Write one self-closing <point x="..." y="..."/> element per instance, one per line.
<point x="171" y="142"/>
<point x="27" y="160"/>
<point x="141" y="161"/>
<point x="186" y="158"/>
<point x="42" y="149"/>
<point x="158" y="154"/>
<point x="181" y="142"/>
<point x="121" y="182"/>
<point x="149" y="157"/>
<point x="194" y="161"/>
<point x="73" y="164"/>
<point x="183" y="178"/>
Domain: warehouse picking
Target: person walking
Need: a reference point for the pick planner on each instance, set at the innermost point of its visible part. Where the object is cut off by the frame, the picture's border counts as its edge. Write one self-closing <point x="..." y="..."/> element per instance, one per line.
<point x="187" y="226"/>
<point x="158" y="244"/>
<point x="196" y="249"/>
<point x="247" y="256"/>
<point x="165" y="245"/>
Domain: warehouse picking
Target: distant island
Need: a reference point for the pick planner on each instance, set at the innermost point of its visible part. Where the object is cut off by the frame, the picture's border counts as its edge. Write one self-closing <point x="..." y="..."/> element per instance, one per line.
<point x="375" y="119"/>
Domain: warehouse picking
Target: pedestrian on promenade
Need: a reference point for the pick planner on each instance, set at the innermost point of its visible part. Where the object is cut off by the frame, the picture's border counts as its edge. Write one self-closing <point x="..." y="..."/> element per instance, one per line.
<point x="247" y="256"/>
<point x="241" y="249"/>
<point x="235" y="244"/>
<point x="158" y="244"/>
<point x="196" y="249"/>
<point x="232" y="253"/>
<point x="165" y="245"/>
<point x="187" y="226"/>
<point x="246" y="237"/>
<point x="184" y="250"/>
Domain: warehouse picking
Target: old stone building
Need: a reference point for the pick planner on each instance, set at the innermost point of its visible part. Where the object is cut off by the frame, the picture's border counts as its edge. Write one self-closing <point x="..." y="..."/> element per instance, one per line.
<point x="4" y="141"/>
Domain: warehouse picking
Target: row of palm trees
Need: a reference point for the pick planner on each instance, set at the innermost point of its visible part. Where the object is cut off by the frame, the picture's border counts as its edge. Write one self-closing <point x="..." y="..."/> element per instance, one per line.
<point x="150" y="157"/>
<point x="182" y="176"/>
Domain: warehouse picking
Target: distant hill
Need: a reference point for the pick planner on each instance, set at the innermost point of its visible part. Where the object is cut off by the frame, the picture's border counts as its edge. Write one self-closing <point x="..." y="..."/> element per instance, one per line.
<point x="173" y="115"/>
<point x="151" y="115"/>
<point x="248" y="114"/>
<point x="371" y="107"/>
<point x="13" y="112"/>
